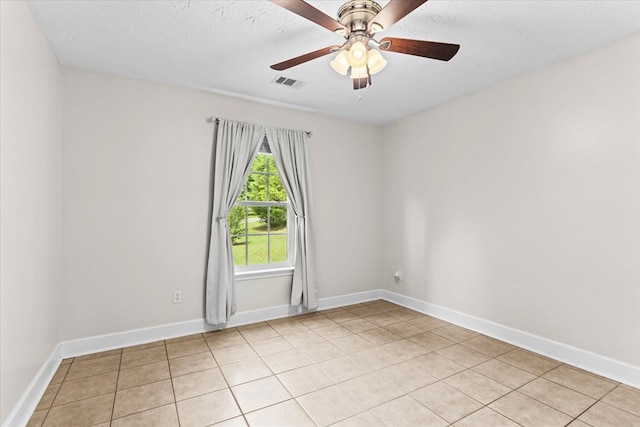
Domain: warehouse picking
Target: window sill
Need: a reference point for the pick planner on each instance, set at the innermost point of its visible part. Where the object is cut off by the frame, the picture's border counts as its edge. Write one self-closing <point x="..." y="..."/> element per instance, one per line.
<point x="263" y="274"/>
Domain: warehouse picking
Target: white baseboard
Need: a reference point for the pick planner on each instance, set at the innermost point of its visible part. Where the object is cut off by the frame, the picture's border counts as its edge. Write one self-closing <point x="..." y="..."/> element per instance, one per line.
<point x="583" y="359"/>
<point x="145" y="335"/>
<point x="27" y="403"/>
<point x="610" y="368"/>
<point x="342" y="300"/>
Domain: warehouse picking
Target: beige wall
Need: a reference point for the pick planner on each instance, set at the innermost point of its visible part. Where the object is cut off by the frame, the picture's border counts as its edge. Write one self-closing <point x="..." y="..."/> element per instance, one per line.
<point x="520" y="204"/>
<point x="135" y="176"/>
<point x="29" y="201"/>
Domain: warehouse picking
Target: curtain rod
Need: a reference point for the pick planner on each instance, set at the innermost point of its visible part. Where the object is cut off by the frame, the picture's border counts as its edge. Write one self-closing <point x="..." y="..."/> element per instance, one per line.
<point x="216" y="120"/>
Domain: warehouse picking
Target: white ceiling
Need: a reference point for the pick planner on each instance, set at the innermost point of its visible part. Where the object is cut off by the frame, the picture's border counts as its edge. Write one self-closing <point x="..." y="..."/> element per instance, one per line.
<point x="227" y="46"/>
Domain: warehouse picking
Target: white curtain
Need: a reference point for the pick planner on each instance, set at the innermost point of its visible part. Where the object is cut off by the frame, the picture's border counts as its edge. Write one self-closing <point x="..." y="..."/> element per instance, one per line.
<point x="235" y="148"/>
<point x="291" y="154"/>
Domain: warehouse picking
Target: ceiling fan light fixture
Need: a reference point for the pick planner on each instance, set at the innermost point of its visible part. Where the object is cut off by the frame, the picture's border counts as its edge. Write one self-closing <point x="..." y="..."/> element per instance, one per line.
<point x="375" y="62"/>
<point x="359" y="72"/>
<point x="341" y="63"/>
<point x="357" y="54"/>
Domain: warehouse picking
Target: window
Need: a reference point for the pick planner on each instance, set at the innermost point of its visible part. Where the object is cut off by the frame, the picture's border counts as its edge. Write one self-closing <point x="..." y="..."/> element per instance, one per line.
<point x="259" y="221"/>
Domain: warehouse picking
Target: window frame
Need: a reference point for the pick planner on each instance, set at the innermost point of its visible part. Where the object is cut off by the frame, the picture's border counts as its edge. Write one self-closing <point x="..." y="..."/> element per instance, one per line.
<point x="270" y="269"/>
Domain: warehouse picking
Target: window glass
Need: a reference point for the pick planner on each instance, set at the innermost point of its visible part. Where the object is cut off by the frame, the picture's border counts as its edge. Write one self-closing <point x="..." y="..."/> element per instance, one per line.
<point x="259" y="222"/>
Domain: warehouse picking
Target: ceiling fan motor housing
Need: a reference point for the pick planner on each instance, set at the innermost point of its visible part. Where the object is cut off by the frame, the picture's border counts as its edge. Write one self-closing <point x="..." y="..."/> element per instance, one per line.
<point x="357" y="14"/>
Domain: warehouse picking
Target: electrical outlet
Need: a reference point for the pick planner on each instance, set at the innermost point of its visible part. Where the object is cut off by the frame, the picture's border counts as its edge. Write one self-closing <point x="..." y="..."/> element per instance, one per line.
<point x="397" y="276"/>
<point x="177" y="297"/>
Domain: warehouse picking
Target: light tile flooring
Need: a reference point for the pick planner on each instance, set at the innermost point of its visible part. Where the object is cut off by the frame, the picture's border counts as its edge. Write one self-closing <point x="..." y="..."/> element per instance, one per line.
<point x="370" y="364"/>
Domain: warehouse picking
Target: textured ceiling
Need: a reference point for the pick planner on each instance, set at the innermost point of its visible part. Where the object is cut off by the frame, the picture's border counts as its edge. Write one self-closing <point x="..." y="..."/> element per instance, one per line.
<point x="227" y="46"/>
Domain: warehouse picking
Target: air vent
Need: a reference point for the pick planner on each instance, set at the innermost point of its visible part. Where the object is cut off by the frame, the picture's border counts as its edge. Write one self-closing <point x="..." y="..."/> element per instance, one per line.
<point x="286" y="81"/>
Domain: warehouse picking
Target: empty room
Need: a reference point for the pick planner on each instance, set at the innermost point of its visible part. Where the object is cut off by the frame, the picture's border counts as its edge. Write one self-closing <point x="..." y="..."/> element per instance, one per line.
<point x="320" y="213"/>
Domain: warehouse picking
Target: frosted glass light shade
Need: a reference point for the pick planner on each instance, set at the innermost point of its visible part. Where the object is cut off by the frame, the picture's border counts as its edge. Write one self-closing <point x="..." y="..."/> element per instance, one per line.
<point x="375" y="62"/>
<point x="359" y="72"/>
<point x="358" y="55"/>
<point x="340" y="63"/>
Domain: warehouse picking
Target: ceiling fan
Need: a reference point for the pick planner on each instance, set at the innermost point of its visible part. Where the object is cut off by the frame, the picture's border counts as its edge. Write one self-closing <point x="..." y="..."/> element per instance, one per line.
<point x="358" y="22"/>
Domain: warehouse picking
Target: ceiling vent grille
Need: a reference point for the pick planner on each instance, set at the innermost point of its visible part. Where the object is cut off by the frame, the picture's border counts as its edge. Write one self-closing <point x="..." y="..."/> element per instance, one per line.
<point x="286" y="81"/>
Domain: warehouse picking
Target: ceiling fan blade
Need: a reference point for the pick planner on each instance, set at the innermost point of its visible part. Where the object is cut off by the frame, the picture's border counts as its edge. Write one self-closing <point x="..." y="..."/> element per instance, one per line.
<point x="304" y="58"/>
<point x="304" y="9"/>
<point x="433" y="50"/>
<point x="394" y="11"/>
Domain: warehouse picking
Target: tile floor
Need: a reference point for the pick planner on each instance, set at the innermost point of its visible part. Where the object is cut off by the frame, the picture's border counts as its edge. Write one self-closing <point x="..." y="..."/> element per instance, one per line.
<point x="370" y="364"/>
